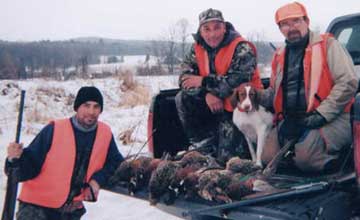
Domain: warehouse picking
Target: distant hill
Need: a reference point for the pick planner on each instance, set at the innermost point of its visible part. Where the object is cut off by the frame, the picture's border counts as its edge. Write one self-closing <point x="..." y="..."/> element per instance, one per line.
<point x="107" y="40"/>
<point x="17" y="58"/>
<point x="96" y="45"/>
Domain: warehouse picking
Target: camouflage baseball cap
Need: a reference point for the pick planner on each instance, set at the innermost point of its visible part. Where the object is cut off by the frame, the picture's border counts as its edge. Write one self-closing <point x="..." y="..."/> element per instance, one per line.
<point x="210" y="15"/>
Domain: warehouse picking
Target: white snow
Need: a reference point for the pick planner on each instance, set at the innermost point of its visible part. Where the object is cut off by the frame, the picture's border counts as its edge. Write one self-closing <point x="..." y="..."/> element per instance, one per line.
<point x="46" y="100"/>
<point x="130" y="62"/>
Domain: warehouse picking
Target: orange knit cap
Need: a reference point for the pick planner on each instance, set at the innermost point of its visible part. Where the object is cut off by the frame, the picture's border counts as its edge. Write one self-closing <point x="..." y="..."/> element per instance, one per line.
<point x="291" y="10"/>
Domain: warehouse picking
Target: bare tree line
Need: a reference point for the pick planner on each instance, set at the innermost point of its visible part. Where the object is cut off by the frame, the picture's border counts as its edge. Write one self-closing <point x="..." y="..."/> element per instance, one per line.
<point x="21" y="60"/>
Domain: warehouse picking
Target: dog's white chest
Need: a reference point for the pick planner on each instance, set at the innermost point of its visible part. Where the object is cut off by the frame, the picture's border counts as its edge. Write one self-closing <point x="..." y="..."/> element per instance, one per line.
<point x="255" y="119"/>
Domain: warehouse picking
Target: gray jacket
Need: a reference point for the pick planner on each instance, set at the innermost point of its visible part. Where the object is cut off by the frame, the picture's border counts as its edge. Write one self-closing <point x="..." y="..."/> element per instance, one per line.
<point x="337" y="132"/>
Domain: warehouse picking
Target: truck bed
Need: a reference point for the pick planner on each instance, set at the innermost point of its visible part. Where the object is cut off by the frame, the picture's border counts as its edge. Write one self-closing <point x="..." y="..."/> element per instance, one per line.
<point x="316" y="201"/>
<point x="329" y="198"/>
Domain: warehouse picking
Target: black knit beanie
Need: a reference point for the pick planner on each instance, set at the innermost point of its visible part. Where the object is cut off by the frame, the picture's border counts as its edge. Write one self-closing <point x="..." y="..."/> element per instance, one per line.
<point x="88" y="93"/>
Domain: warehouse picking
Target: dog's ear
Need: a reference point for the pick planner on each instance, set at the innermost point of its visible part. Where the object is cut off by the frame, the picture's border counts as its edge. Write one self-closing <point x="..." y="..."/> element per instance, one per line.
<point x="234" y="98"/>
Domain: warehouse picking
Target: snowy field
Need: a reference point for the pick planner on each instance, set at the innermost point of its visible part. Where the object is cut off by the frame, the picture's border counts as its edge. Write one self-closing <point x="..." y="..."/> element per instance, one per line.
<point x="46" y="100"/>
<point x="130" y="62"/>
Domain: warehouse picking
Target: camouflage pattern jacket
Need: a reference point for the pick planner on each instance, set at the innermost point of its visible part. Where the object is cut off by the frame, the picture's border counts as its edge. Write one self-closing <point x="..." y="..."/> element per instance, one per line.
<point x="241" y="69"/>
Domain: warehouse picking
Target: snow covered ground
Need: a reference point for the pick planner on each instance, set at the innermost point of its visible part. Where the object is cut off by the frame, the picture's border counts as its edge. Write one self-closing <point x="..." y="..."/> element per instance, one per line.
<point x="46" y="100"/>
<point x="130" y="62"/>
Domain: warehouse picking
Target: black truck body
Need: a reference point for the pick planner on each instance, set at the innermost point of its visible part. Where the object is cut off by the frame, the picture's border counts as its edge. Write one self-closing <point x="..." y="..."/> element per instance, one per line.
<point x="331" y="197"/>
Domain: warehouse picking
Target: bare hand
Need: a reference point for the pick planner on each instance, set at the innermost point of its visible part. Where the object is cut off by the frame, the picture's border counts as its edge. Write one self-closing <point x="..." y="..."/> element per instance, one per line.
<point x="191" y="81"/>
<point x="214" y="103"/>
<point x="14" y="151"/>
<point x="92" y="196"/>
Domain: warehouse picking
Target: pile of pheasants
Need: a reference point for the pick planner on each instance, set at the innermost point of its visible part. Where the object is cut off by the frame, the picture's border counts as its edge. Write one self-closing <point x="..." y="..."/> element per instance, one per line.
<point x="191" y="175"/>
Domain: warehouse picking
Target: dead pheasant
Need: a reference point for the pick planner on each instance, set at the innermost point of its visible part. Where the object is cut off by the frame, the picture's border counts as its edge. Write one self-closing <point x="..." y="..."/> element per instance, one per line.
<point x="161" y="179"/>
<point x="191" y="162"/>
<point x="142" y="169"/>
<point x="122" y="173"/>
<point x="134" y="172"/>
<point x="194" y="158"/>
<point x="239" y="186"/>
<point x="212" y="185"/>
<point x="244" y="166"/>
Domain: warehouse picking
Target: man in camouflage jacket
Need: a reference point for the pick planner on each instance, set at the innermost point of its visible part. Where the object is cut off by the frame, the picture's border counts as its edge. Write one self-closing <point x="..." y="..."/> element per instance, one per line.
<point x="200" y="102"/>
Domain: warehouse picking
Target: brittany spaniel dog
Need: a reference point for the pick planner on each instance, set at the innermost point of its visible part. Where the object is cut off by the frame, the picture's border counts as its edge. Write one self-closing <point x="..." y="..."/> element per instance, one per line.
<point x="251" y="119"/>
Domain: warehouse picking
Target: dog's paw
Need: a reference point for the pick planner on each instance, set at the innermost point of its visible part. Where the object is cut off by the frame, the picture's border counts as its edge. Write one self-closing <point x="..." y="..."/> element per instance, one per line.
<point x="259" y="163"/>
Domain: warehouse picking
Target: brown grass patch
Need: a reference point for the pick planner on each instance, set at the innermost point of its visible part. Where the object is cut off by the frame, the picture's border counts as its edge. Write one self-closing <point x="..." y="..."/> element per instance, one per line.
<point x="125" y="136"/>
<point x="133" y="93"/>
<point x="38" y="113"/>
<point x="56" y="94"/>
<point x="49" y="103"/>
<point x="127" y="79"/>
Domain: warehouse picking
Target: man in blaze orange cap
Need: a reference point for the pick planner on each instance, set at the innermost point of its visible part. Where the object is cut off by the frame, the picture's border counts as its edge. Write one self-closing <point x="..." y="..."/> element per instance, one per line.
<point x="312" y="88"/>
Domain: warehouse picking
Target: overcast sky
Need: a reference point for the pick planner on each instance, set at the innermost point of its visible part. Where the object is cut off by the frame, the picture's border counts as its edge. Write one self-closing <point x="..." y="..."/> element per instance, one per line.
<point x="29" y="20"/>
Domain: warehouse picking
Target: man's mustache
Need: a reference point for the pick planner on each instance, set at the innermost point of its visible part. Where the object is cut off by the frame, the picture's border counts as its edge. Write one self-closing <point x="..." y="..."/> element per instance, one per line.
<point x="294" y="32"/>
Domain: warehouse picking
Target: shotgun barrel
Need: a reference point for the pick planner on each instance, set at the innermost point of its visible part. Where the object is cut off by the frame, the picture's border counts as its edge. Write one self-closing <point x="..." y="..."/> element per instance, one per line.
<point x="12" y="182"/>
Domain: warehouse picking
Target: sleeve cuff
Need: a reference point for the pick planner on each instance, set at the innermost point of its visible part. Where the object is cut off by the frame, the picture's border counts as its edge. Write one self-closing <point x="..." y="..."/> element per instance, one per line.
<point x="99" y="179"/>
<point x="204" y="82"/>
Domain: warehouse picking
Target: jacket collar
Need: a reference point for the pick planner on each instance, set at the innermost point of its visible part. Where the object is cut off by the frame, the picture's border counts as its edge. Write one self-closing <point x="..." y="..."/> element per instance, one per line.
<point x="314" y="38"/>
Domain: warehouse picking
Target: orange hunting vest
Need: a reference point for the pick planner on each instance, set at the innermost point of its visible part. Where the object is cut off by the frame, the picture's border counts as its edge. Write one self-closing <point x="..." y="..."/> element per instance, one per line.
<point x="52" y="186"/>
<point x="222" y="63"/>
<point x="316" y="72"/>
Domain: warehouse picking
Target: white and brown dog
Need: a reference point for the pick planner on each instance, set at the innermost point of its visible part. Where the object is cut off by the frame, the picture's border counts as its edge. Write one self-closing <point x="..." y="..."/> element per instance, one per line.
<point x="251" y="119"/>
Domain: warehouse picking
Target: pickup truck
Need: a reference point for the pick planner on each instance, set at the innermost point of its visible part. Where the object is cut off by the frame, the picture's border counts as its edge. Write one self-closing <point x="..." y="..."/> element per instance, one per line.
<point x="327" y="197"/>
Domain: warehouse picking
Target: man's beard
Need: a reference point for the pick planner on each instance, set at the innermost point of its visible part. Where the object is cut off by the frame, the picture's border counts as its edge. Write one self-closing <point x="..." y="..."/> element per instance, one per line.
<point x="294" y="36"/>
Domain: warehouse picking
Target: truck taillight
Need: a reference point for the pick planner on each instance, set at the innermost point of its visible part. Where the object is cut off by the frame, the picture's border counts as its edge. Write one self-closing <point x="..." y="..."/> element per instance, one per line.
<point x="356" y="142"/>
<point x="150" y="132"/>
<point x="356" y="137"/>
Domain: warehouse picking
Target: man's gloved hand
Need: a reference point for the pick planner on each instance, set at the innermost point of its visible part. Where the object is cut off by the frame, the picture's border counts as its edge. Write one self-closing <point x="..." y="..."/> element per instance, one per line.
<point x="313" y="120"/>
